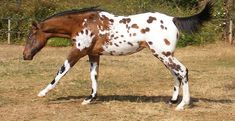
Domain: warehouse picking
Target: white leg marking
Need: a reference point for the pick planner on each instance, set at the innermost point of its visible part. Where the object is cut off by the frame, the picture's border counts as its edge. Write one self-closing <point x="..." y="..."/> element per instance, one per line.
<point x="64" y="69"/>
<point x="186" y="95"/>
<point x="93" y="75"/>
<point x="176" y="88"/>
<point x="93" y="79"/>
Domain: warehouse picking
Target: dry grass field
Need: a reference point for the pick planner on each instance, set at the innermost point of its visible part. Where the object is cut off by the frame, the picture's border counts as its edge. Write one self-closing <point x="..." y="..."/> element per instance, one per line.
<point x="131" y="88"/>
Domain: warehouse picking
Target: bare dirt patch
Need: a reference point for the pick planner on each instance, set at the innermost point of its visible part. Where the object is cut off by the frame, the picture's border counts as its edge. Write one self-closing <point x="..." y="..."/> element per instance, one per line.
<point x="133" y="87"/>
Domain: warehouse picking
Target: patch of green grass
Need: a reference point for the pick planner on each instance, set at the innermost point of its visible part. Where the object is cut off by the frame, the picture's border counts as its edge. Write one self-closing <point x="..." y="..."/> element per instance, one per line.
<point x="59" y="42"/>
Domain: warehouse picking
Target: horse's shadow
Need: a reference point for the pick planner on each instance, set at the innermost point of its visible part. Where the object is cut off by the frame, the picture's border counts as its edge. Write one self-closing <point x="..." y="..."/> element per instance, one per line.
<point x="139" y="99"/>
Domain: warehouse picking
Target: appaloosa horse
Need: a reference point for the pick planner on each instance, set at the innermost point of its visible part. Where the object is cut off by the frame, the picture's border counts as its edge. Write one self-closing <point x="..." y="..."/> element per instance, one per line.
<point x="95" y="32"/>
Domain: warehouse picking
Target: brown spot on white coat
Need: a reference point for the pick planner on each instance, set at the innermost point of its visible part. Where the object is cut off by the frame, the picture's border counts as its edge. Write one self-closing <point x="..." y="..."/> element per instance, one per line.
<point x="168" y="53"/>
<point x="151" y="19"/>
<point x="129" y="43"/>
<point x="143" y="31"/>
<point x="167" y="42"/>
<point x="135" y="26"/>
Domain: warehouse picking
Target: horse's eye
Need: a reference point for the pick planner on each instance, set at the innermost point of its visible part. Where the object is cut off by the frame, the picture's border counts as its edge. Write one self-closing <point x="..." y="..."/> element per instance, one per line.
<point x="31" y="35"/>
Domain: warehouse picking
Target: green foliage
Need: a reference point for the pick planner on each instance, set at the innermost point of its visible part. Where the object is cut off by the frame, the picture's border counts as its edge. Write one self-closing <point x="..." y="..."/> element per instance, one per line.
<point x="25" y="12"/>
<point x="185" y="3"/>
<point x="185" y="40"/>
<point x="59" y="42"/>
<point x="207" y="34"/>
<point x="44" y="8"/>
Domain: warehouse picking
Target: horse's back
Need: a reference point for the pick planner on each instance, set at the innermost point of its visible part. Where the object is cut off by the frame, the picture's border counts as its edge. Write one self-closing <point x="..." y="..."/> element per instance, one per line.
<point x="128" y="33"/>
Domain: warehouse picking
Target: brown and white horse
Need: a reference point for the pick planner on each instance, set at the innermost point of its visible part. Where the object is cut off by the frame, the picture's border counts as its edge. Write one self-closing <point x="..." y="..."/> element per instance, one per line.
<point x="95" y="32"/>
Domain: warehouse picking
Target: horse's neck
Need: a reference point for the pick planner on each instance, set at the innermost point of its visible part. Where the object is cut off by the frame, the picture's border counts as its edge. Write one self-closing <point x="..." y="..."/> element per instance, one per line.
<point x="67" y="26"/>
<point x="58" y="28"/>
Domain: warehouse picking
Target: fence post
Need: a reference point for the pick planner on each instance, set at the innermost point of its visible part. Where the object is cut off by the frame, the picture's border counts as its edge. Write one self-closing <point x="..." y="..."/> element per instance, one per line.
<point x="231" y="31"/>
<point x="9" y="32"/>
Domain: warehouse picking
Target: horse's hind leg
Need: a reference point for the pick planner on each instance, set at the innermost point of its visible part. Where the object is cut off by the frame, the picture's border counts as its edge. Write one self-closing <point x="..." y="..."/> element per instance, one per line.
<point x="72" y="59"/>
<point x="175" y="94"/>
<point x="181" y="76"/>
<point x="94" y="71"/>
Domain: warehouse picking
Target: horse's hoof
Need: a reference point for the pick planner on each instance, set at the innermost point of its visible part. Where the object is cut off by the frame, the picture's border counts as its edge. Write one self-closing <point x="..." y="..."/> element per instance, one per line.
<point x="179" y="108"/>
<point x="41" y="94"/>
<point x="89" y="99"/>
<point x="86" y="102"/>
<point x="173" y="102"/>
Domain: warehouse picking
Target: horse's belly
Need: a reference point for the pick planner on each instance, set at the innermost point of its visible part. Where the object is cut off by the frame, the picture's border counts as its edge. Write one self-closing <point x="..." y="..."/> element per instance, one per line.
<point x="121" y="48"/>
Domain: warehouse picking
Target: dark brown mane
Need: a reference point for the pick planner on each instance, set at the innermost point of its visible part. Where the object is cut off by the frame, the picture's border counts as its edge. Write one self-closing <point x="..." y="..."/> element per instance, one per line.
<point x="75" y="11"/>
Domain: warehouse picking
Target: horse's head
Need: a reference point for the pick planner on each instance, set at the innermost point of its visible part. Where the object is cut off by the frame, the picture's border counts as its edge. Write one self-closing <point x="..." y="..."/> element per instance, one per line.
<point x="35" y="42"/>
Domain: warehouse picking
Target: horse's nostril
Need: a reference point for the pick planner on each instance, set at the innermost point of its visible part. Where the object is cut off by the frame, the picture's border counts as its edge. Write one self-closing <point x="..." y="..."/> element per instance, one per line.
<point x="27" y="57"/>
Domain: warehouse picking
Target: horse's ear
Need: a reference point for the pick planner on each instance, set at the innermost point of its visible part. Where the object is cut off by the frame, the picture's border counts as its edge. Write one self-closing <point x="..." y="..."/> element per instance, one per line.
<point x="35" y="25"/>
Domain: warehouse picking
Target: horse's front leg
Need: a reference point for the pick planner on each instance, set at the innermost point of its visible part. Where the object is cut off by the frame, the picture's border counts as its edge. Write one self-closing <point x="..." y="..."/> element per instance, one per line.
<point x="94" y="72"/>
<point x="72" y="59"/>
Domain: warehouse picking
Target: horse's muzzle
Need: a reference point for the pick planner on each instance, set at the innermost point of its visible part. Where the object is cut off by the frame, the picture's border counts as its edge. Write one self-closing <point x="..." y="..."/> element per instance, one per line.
<point x="27" y="57"/>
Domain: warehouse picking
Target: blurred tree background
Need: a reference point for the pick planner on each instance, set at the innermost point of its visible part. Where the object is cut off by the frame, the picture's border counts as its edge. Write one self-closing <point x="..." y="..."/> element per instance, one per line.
<point x="23" y="12"/>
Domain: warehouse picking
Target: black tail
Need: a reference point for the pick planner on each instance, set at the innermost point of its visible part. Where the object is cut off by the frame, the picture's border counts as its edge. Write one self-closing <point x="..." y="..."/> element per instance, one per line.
<point x="193" y="23"/>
